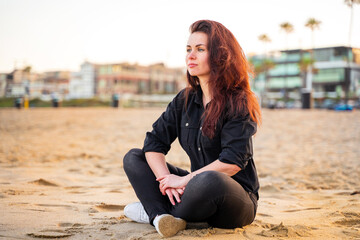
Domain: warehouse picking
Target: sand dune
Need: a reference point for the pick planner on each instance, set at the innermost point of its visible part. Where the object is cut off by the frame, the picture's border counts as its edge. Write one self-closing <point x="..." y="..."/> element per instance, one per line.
<point x="61" y="175"/>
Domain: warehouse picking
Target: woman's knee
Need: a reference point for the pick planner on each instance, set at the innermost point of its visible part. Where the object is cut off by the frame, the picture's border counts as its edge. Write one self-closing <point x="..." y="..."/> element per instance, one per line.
<point x="202" y="194"/>
<point x="212" y="177"/>
<point x="209" y="181"/>
<point x="132" y="158"/>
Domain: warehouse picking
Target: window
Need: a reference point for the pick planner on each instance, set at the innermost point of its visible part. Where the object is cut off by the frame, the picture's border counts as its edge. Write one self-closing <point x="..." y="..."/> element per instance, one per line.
<point x="285" y="69"/>
<point x="322" y="55"/>
<point x="281" y="82"/>
<point x="329" y="75"/>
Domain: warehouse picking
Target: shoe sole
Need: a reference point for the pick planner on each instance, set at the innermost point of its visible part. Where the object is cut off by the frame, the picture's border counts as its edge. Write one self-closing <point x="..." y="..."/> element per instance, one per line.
<point x="169" y="226"/>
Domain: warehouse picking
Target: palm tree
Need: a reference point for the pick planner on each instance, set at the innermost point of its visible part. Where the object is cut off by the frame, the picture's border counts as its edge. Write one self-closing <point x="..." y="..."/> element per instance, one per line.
<point x="287" y="28"/>
<point x="264" y="67"/>
<point x="313" y="24"/>
<point x="264" y="39"/>
<point x="351" y="3"/>
<point x="267" y="65"/>
<point x="259" y="67"/>
<point x="306" y="65"/>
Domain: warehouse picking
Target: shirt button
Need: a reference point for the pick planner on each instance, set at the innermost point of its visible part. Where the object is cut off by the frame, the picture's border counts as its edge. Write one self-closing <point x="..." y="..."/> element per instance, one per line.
<point x="199" y="149"/>
<point x="186" y="124"/>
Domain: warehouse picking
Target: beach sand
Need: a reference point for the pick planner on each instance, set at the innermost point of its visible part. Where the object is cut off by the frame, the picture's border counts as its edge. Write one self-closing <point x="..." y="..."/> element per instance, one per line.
<point x="61" y="175"/>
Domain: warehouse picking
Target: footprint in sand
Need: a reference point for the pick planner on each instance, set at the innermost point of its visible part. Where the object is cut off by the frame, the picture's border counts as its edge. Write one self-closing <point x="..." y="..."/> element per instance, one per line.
<point x="64" y="224"/>
<point x="75" y="189"/>
<point x="57" y="205"/>
<point x="77" y="192"/>
<point x="263" y="215"/>
<point x="287" y="231"/>
<point x="49" y="233"/>
<point x="44" y="182"/>
<point x="197" y="233"/>
<point x="352" y="233"/>
<point x="115" y="191"/>
<point x="304" y="209"/>
<point x="71" y="228"/>
<point x="15" y="192"/>
<point x="109" y="207"/>
<point x="351" y="219"/>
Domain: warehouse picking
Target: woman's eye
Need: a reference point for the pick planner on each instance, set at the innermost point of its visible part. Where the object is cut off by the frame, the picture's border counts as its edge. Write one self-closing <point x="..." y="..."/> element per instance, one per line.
<point x="188" y="50"/>
<point x="201" y="50"/>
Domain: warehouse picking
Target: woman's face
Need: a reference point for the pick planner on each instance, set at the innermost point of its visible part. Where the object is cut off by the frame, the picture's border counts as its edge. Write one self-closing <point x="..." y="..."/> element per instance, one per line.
<point x="197" y="57"/>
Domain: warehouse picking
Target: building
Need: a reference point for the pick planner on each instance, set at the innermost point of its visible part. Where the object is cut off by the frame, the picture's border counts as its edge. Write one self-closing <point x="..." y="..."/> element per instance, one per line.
<point x="82" y="84"/>
<point x="100" y="80"/>
<point x="3" y="81"/>
<point x="56" y="82"/>
<point x="122" y="78"/>
<point x="165" y="80"/>
<point x="18" y="83"/>
<point x="331" y="72"/>
<point x="36" y="86"/>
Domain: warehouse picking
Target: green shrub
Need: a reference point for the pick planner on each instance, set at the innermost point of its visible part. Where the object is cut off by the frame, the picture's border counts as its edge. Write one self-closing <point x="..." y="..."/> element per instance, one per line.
<point x="36" y="102"/>
<point x="7" y="102"/>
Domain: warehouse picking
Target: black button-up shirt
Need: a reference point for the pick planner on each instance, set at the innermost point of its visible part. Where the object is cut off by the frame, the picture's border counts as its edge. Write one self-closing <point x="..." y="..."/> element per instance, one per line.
<point x="232" y="142"/>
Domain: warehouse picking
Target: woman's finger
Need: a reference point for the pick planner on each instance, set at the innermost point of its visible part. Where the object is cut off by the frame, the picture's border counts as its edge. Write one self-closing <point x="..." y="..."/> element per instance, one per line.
<point x="170" y="196"/>
<point x="162" y="190"/>
<point x="163" y="187"/>
<point x="180" y="191"/>
<point x="176" y="195"/>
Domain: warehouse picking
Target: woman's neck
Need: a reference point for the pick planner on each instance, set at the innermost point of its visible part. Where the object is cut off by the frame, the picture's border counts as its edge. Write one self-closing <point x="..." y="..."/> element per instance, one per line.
<point x="206" y="92"/>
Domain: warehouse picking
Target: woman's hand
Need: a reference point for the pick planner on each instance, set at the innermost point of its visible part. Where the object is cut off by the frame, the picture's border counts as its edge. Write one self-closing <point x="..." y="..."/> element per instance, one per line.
<point x="174" y="193"/>
<point x="172" y="181"/>
<point x="173" y="186"/>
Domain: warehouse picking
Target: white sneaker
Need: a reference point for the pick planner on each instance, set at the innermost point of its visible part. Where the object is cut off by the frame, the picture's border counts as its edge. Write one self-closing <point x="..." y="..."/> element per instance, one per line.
<point x="136" y="212"/>
<point x="167" y="225"/>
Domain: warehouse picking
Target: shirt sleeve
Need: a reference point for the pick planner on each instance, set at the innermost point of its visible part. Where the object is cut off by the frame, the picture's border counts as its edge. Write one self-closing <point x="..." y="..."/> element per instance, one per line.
<point x="164" y="130"/>
<point x="236" y="141"/>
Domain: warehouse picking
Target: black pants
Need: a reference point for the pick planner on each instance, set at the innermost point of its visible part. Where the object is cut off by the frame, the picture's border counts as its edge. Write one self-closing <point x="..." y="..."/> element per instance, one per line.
<point x="210" y="196"/>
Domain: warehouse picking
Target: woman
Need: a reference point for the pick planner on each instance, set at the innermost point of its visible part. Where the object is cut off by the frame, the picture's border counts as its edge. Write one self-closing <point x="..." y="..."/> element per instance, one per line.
<point x="214" y="119"/>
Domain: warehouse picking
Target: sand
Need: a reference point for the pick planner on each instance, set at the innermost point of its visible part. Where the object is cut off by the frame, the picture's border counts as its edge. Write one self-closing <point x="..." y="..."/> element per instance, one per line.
<point x="61" y="175"/>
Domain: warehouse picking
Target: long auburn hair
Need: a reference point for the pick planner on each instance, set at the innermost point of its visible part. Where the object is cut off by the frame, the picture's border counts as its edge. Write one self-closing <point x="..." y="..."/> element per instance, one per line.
<point x="229" y="78"/>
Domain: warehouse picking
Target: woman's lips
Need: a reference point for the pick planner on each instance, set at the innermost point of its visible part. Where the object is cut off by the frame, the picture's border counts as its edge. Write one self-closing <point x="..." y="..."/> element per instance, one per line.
<point x="192" y="65"/>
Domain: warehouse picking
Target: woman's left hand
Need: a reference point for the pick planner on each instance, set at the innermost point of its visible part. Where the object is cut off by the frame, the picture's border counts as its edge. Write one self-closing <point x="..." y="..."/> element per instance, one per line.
<point x="173" y="194"/>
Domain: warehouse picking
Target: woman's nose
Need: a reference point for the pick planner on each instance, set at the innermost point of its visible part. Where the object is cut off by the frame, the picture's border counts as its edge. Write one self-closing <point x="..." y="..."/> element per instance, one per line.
<point x="192" y="55"/>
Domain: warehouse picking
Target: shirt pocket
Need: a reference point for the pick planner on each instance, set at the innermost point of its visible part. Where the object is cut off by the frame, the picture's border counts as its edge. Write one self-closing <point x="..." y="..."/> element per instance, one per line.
<point x="189" y="130"/>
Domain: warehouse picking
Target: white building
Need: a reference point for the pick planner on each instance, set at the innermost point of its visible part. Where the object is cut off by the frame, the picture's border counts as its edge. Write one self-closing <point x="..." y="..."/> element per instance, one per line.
<point x="82" y="84"/>
<point x="3" y="81"/>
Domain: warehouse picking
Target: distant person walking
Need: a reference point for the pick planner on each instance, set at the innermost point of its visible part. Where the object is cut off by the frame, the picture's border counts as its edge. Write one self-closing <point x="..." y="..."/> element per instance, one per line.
<point x="214" y="119"/>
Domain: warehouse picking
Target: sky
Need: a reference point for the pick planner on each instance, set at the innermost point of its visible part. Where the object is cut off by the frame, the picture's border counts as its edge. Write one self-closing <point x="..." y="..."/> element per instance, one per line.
<point x="52" y="35"/>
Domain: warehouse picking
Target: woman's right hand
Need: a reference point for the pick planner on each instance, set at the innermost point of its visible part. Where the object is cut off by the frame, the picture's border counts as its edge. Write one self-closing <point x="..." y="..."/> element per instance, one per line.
<point x="173" y="181"/>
